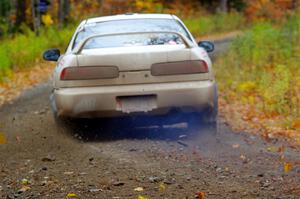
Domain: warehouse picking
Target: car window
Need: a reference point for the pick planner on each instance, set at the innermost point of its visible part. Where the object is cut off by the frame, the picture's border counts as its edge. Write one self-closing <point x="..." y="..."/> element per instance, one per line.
<point x="136" y="25"/>
<point x="137" y="39"/>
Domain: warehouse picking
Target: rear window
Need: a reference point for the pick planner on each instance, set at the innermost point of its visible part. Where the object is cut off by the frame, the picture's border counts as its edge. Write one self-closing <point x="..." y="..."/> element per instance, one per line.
<point x="131" y="26"/>
<point x="132" y="40"/>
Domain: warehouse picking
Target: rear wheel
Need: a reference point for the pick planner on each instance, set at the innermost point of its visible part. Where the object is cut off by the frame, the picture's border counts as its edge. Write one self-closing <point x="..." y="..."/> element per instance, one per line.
<point x="209" y="117"/>
<point x="59" y="121"/>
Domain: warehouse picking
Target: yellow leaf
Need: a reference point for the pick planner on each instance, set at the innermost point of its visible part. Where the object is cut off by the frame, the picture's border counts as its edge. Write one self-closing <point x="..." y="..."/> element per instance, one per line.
<point x="287" y="167"/>
<point x="2" y="138"/>
<point x="47" y="20"/>
<point x="142" y="197"/>
<point x="246" y="86"/>
<point x="251" y="99"/>
<point x="71" y="195"/>
<point x="162" y="187"/>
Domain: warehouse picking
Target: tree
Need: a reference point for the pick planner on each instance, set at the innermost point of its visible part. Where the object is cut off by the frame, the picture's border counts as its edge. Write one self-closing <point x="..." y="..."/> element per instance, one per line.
<point x="223" y="5"/>
<point x="63" y="11"/>
<point x="20" y="12"/>
<point x="5" y="6"/>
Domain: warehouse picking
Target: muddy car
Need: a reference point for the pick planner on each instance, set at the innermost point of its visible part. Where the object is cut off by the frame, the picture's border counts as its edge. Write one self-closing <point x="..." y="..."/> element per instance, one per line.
<point x="133" y="64"/>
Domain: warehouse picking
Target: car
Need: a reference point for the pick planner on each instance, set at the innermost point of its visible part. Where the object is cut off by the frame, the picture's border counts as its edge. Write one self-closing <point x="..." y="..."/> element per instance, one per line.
<point x="133" y="64"/>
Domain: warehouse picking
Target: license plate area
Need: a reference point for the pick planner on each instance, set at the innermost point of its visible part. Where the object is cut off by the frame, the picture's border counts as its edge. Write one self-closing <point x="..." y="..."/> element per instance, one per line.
<point x="131" y="104"/>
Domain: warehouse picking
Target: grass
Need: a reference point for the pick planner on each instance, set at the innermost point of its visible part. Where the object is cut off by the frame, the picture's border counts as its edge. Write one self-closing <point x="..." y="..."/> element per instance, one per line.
<point x="204" y="25"/>
<point x="24" y="50"/>
<point x="261" y="67"/>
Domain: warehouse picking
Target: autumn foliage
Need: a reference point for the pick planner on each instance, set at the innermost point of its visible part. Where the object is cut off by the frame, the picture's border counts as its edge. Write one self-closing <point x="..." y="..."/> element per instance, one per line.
<point x="269" y="9"/>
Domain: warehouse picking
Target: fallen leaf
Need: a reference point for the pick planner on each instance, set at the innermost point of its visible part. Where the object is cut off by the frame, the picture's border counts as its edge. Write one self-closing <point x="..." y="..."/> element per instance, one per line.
<point x="162" y="187"/>
<point x="296" y="124"/>
<point x="200" y="195"/>
<point x="287" y="167"/>
<point x="95" y="190"/>
<point x="24" y="189"/>
<point x="18" y="139"/>
<point x="25" y="181"/>
<point x="2" y="138"/>
<point x="235" y="146"/>
<point x="68" y="173"/>
<point x="71" y="195"/>
<point x="49" y="158"/>
<point x="142" y="197"/>
<point x="139" y="189"/>
<point x="272" y="149"/>
<point x="243" y="157"/>
<point x="117" y="184"/>
<point x="281" y="149"/>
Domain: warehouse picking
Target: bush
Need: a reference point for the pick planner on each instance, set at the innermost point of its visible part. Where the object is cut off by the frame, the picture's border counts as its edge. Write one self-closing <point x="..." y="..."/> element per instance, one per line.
<point x="267" y="56"/>
<point x="221" y="22"/>
<point x="26" y="49"/>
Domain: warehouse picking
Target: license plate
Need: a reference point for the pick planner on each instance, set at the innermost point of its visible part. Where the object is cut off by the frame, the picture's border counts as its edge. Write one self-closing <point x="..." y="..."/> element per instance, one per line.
<point x="136" y="103"/>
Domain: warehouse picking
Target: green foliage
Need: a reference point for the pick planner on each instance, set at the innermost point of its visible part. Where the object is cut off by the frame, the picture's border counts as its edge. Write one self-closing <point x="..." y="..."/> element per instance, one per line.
<point x="268" y="55"/>
<point x="221" y="22"/>
<point x="25" y="49"/>
<point x="5" y="6"/>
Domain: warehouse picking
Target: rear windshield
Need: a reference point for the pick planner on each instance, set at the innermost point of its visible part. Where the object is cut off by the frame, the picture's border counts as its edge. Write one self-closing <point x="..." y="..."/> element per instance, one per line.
<point x="136" y="25"/>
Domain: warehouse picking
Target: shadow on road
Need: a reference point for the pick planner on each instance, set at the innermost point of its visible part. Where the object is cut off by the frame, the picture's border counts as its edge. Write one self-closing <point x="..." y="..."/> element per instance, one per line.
<point x="171" y="127"/>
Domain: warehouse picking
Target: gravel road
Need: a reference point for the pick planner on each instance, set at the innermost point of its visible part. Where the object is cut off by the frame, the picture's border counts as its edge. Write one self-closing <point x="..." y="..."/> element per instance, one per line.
<point x="125" y="158"/>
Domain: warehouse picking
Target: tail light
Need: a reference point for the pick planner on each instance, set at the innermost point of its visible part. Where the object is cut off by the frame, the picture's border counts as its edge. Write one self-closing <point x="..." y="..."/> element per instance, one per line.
<point x="178" y="68"/>
<point x="89" y="73"/>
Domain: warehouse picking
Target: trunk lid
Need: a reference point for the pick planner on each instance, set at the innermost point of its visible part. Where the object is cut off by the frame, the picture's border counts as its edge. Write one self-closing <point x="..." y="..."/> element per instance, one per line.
<point x="133" y="64"/>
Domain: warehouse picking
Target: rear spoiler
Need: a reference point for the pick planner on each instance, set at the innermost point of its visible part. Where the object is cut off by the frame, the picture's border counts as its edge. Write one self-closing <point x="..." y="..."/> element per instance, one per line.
<point x="79" y="47"/>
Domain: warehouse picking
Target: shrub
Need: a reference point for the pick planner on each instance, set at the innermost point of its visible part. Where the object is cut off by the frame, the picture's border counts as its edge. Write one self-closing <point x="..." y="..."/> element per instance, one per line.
<point x="267" y="55"/>
<point x="203" y="25"/>
<point x="26" y="49"/>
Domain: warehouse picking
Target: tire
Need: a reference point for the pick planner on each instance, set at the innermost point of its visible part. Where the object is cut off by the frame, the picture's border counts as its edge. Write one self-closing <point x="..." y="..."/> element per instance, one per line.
<point x="211" y="114"/>
<point x="59" y="121"/>
<point x="209" y="117"/>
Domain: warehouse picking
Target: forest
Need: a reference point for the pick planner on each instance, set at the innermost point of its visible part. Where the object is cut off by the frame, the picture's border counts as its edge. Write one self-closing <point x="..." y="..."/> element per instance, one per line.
<point x="37" y="13"/>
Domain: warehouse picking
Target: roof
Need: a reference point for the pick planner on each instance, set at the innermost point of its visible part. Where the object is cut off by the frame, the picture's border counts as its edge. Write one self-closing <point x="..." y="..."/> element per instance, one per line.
<point x="129" y="16"/>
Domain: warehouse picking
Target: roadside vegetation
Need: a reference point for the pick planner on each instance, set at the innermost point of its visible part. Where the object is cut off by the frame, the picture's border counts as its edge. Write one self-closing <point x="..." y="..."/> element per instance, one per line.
<point x="215" y="24"/>
<point x="24" y="50"/>
<point x="261" y="68"/>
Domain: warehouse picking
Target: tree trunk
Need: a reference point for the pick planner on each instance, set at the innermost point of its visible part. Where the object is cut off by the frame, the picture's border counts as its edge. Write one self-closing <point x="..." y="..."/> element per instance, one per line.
<point x="66" y="10"/>
<point x="295" y="4"/>
<point x="63" y="11"/>
<point x="101" y="3"/>
<point x="223" y="5"/>
<point x="20" y="12"/>
<point x="36" y="17"/>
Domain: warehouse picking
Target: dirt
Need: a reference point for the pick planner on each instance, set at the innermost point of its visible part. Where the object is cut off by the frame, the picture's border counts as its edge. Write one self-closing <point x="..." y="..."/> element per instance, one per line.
<point x="125" y="158"/>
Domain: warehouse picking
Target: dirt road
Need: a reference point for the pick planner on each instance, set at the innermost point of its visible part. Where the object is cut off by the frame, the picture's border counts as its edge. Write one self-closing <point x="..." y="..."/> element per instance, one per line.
<point x="110" y="159"/>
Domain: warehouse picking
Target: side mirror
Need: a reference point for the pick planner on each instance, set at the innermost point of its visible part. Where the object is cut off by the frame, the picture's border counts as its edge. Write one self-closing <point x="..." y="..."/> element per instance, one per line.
<point x="207" y="45"/>
<point x="51" y="55"/>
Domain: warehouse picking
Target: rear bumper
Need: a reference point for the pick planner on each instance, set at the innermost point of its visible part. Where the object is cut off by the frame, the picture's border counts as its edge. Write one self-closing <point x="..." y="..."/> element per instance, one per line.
<point x="101" y="101"/>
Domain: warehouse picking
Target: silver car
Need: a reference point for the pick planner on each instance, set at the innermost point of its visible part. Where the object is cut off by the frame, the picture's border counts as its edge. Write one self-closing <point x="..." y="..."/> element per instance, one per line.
<point x="133" y="64"/>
